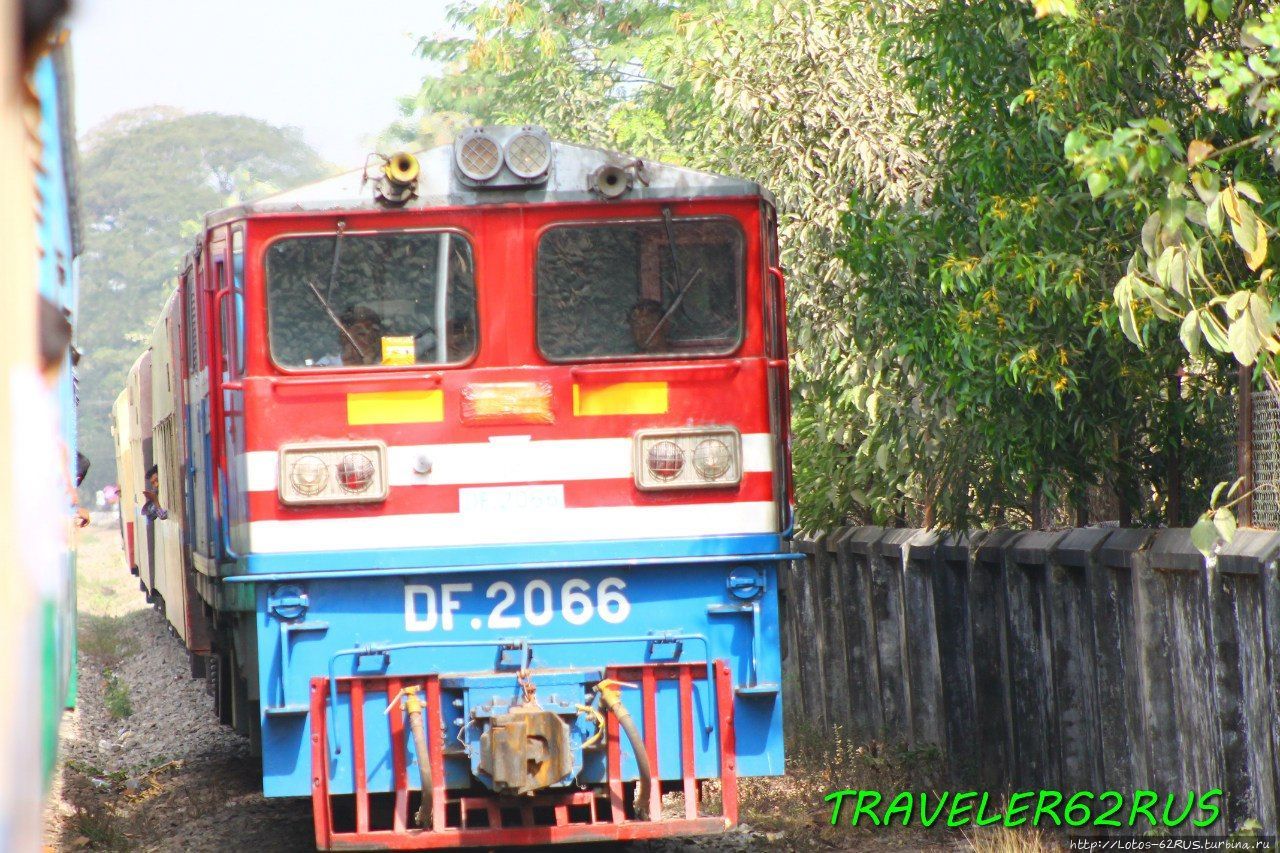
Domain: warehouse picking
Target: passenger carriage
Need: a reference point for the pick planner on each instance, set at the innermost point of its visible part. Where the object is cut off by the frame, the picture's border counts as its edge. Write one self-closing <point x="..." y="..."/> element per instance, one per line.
<point x="477" y="471"/>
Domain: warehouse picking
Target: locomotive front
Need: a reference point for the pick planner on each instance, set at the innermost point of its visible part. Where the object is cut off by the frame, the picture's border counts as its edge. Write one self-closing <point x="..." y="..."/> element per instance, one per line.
<point x="500" y="478"/>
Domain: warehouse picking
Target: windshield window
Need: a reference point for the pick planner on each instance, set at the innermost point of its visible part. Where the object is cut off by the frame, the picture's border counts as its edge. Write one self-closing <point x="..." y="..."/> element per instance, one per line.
<point x="361" y="300"/>
<point x="652" y="288"/>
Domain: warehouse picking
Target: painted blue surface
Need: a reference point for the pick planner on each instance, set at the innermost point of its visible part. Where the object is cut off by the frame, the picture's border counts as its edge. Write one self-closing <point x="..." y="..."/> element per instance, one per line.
<point x="554" y="553"/>
<point x="57" y="268"/>
<point x="347" y="614"/>
<point x="57" y="264"/>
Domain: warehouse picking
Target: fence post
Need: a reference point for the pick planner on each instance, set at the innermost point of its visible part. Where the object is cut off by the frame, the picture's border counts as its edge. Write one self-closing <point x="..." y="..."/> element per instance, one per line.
<point x="988" y="626"/>
<point x="951" y="569"/>
<point x="852" y="551"/>
<point x="1243" y="687"/>
<point x="1074" y="658"/>
<point x="887" y="609"/>
<point x="924" y="673"/>
<point x="1118" y="670"/>
<point x="1184" y="744"/>
<point x="810" y="642"/>
<point x="830" y="592"/>
<point x="1031" y="691"/>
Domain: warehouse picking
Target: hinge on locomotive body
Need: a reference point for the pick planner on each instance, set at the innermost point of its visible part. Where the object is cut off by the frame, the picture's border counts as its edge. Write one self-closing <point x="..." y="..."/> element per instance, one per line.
<point x="289" y="605"/>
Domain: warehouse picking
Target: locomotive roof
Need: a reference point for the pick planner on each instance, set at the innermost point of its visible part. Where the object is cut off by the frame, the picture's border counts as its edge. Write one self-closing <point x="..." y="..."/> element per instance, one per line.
<point x="439" y="185"/>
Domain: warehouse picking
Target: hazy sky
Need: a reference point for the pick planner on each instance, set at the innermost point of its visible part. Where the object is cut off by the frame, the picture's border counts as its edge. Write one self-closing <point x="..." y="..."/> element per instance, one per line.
<point x="333" y="68"/>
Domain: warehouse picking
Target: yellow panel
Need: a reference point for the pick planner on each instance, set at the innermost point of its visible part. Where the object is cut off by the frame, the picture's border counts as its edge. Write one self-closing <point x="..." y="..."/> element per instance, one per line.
<point x="395" y="407"/>
<point x="622" y="398"/>
<point x="397" y="349"/>
<point x="508" y="402"/>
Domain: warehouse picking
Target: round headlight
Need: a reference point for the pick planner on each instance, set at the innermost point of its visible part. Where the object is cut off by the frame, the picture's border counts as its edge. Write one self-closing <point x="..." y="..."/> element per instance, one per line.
<point x="309" y="475"/>
<point x="528" y="155"/>
<point x="711" y="458"/>
<point x="665" y="460"/>
<point x="479" y="157"/>
<point x="355" y="472"/>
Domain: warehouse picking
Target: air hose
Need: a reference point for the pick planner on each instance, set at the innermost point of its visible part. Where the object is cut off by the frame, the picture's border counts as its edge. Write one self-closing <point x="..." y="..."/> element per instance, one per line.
<point x="413" y="706"/>
<point x="611" y="696"/>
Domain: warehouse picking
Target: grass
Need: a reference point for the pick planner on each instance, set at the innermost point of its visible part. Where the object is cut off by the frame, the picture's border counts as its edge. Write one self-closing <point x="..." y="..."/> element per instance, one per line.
<point x="818" y="763"/>
<point x="116" y="696"/>
<point x="792" y="813"/>
<point x="105" y="639"/>
<point x="1000" y="839"/>
<point x="99" y="826"/>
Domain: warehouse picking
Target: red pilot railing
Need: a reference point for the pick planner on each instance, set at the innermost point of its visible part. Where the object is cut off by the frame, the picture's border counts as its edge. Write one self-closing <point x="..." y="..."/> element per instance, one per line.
<point x="549" y="818"/>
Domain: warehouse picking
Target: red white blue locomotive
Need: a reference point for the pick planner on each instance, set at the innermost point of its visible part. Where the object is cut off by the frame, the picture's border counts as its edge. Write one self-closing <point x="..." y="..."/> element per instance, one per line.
<point x="477" y="480"/>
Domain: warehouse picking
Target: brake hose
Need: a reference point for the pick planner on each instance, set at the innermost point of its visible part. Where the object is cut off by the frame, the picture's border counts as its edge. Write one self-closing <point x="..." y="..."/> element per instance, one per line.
<point x="413" y="705"/>
<point x="611" y="695"/>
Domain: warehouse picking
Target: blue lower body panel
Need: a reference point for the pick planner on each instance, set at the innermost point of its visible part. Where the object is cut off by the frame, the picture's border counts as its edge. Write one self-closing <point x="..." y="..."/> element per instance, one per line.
<point x="478" y="629"/>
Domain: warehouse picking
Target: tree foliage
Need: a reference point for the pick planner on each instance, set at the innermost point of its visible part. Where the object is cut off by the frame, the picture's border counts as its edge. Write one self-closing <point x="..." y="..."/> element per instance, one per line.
<point x="1199" y="169"/>
<point x="148" y="178"/>
<point x="959" y="354"/>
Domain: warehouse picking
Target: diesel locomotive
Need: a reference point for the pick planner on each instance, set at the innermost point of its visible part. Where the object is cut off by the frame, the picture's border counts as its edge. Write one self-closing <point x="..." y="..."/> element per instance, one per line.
<point x="465" y="479"/>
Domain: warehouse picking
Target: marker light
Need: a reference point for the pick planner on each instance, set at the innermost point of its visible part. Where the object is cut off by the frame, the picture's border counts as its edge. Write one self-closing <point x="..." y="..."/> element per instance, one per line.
<point x="332" y="472"/>
<point x="665" y="460"/>
<point x="715" y="454"/>
<point x="507" y="403"/>
<point x="478" y="155"/>
<point x="308" y="475"/>
<point x="528" y="155"/>
<point x="355" y="472"/>
<point x="711" y="458"/>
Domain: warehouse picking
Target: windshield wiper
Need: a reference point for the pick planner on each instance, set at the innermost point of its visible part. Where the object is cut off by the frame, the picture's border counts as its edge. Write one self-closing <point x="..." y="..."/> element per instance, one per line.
<point x="334" y="317"/>
<point x="333" y="278"/>
<point x="675" y="270"/>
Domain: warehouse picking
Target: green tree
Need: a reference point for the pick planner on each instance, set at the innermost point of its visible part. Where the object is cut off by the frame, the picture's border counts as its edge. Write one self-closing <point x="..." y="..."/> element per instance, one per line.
<point x="1198" y="170"/>
<point x="957" y="354"/>
<point x="148" y="178"/>
<point x="995" y="288"/>
<point x="587" y="71"/>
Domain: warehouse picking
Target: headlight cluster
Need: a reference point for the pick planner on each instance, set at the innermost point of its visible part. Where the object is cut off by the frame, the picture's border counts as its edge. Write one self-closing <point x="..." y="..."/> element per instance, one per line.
<point x="333" y="473"/>
<point x="481" y="153"/>
<point x="688" y="459"/>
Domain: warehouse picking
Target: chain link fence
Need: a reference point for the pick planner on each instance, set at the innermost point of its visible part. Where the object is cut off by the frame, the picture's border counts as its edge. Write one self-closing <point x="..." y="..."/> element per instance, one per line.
<point x="1266" y="460"/>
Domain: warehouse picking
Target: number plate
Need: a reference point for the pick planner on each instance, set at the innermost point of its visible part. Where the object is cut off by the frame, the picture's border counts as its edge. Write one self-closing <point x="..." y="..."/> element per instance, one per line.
<point x="506" y="606"/>
<point x="511" y="499"/>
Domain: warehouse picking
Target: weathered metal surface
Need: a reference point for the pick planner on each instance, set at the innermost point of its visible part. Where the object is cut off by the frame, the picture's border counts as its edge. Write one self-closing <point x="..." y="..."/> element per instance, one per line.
<point x="1091" y="659"/>
<point x="463" y="819"/>
<point x="526" y="750"/>
<point x="439" y="185"/>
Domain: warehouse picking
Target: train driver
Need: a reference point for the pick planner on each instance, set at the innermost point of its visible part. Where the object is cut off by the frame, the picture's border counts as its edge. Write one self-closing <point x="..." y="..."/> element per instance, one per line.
<point x="359" y="339"/>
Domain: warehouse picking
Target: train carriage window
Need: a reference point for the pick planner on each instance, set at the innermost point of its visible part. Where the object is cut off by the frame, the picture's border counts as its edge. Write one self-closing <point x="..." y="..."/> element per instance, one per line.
<point x="667" y="287"/>
<point x="361" y="300"/>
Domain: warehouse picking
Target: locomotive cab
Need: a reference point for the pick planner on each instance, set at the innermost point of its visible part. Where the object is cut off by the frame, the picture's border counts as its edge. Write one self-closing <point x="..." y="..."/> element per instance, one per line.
<point x="488" y="486"/>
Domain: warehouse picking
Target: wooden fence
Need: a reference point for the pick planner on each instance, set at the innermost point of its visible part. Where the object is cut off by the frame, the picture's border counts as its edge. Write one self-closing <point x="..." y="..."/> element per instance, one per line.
<point x="1088" y="659"/>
